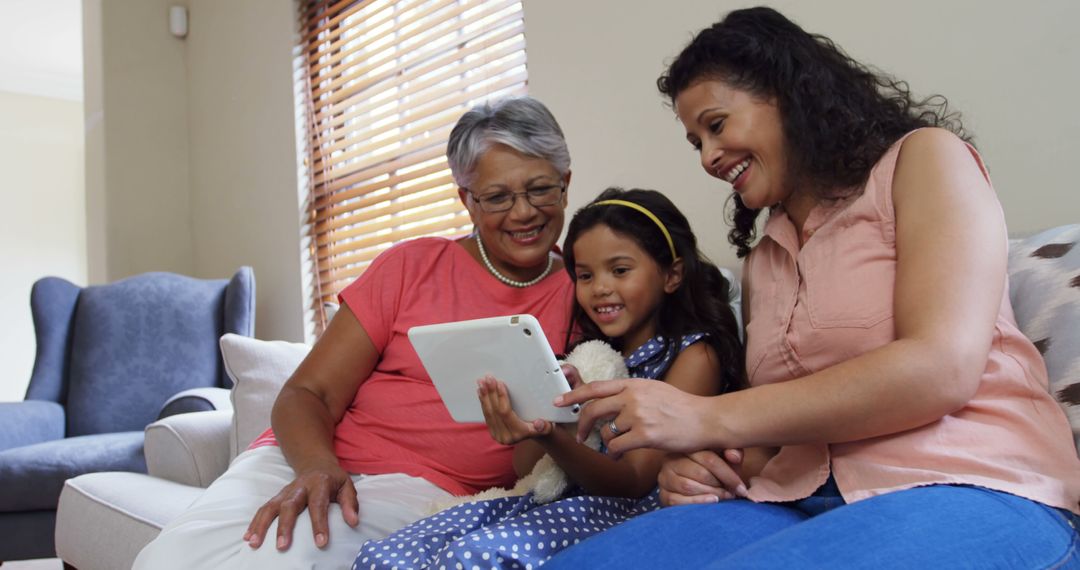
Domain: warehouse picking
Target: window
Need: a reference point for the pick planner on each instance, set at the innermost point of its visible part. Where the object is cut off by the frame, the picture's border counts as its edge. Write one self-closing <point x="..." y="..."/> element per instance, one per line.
<point x="384" y="81"/>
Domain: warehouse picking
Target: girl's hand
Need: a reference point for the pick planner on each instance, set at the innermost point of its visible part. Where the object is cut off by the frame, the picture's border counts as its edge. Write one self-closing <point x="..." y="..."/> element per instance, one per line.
<point x="573" y="377"/>
<point x="701" y="477"/>
<point x="313" y="489"/>
<point x="505" y="426"/>
<point x="645" y="413"/>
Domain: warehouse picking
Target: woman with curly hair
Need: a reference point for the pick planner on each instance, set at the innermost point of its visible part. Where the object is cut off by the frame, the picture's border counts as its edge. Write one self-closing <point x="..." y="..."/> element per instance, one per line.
<point x="910" y="417"/>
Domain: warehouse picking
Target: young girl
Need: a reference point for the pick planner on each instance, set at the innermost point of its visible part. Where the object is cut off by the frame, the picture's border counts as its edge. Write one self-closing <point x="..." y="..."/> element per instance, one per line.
<point x="642" y="286"/>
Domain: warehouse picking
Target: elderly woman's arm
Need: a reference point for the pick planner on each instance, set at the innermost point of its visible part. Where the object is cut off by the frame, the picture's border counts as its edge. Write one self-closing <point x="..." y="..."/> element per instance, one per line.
<point x="951" y="254"/>
<point x="305" y="414"/>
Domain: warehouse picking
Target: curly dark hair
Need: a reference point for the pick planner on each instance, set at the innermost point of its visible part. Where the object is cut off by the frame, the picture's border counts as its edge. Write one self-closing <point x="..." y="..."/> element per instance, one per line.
<point x="839" y="117"/>
<point x="700" y="304"/>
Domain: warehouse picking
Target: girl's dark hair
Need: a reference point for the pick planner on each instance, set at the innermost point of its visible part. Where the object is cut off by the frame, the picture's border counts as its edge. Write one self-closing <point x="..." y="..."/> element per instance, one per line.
<point x="700" y="304"/>
<point x="839" y="117"/>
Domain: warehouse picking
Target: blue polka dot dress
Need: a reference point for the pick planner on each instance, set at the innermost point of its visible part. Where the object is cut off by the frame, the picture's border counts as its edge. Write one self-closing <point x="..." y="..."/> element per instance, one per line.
<point x="515" y="532"/>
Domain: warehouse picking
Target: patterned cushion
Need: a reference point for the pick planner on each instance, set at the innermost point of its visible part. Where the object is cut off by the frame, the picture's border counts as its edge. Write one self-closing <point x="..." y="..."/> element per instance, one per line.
<point x="1044" y="287"/>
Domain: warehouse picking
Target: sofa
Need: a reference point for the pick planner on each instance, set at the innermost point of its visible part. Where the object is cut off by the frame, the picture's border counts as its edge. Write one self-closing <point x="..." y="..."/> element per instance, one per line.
<point x="106" y="518"/>
<point x="110" y="359"/>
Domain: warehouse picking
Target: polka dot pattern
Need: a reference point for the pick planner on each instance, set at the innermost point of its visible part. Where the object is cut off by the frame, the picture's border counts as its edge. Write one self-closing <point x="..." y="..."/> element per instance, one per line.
<point x="516" y="532"/>
<point x="510" y="533"/>
<point x="652" y="359"/>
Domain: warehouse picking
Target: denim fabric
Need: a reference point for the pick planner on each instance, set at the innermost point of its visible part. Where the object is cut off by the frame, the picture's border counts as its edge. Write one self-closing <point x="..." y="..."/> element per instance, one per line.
<point x="826" y="498"/>
<point x="941" y="526"/>
<point x="29" y="422"/>
<point x="34" y="475"/>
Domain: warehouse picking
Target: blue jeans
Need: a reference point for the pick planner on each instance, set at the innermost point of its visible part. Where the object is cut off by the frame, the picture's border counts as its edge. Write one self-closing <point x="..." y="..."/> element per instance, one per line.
<point x="941" y="526"/>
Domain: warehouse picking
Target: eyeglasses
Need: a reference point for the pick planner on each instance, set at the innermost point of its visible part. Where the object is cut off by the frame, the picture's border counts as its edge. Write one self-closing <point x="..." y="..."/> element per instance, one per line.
<point x="503" y="200"/>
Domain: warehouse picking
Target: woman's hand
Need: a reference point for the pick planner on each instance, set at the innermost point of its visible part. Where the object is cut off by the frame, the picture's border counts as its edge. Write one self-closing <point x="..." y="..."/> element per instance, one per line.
<point x="505" y="426"/>
<point x="645" y="413"/>
<point x="306" y="411"/>
<point x="701" y="477"/>
<point x="313" y="489"/>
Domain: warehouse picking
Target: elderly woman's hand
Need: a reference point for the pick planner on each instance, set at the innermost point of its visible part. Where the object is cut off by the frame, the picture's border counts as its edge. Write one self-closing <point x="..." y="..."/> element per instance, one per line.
<point x="643" y="413"/>
<point x="505" y="426"/>
<point x="313" y="489"/>
<point x="701" y="477"/>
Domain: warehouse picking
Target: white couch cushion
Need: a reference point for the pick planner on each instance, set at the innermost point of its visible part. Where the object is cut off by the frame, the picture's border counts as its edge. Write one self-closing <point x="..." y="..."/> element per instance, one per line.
<point x="258" y="369"/>
<point x="107" y="518"/>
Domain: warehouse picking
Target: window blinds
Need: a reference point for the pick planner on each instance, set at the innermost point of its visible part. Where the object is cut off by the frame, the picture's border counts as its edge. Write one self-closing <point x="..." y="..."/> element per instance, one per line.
<point x="383" y="83"/>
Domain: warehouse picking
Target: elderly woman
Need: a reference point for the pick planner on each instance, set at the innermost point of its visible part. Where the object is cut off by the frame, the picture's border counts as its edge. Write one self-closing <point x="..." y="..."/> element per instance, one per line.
<point x="361" y="440"/>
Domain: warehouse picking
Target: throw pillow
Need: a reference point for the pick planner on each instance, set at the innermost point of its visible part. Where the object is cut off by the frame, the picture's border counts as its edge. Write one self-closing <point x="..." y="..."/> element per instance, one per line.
<point x="258" y="369"/>
<point x="1044" y="287"/>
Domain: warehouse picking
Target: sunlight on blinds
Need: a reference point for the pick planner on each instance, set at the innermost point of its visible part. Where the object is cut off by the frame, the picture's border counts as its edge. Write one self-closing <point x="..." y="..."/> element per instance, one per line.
<point x="384" y="83"/>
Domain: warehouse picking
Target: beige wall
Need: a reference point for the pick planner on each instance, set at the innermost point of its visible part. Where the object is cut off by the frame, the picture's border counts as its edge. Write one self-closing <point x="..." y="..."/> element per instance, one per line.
<point x="191" y="147"/>
<point x="1012" y="72"/>
<point x="138" y="197"/>
<point x="41" y="156"/>
<point x="243" y="169"/>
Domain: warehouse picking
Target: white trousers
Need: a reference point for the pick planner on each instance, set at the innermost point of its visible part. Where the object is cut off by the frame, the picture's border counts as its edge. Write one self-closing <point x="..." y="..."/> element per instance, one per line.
<point x="210" y="534"/>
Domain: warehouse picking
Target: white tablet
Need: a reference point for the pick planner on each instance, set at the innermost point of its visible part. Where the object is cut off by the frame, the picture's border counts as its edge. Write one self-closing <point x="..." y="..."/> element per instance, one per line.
<point x="513" y="349"/>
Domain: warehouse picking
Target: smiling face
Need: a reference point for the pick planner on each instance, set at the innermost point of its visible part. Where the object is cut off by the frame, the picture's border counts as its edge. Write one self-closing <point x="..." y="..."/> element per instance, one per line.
<point x="517" y="240"/>
<point x="740" y="139"/>
<point x="620" y="286"/>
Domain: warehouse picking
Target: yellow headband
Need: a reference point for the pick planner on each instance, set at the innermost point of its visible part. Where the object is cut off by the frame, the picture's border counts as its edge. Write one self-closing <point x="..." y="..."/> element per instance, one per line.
<point x="643" y="210"/>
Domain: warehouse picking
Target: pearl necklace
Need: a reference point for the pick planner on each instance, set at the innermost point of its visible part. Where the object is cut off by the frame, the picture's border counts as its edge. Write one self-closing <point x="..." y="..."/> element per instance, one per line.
<point x="505" y="279"/>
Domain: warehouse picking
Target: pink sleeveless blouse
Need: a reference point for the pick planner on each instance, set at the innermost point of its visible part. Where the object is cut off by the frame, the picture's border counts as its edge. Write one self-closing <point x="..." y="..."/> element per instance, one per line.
<point x="831" y="300"/>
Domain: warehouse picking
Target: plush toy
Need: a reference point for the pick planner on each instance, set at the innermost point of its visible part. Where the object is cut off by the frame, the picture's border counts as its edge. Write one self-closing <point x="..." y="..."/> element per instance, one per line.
<point x="594" y="360"/>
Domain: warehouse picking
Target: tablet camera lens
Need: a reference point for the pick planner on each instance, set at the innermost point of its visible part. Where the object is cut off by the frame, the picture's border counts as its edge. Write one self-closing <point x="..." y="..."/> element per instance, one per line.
<point x="528" y="332"/>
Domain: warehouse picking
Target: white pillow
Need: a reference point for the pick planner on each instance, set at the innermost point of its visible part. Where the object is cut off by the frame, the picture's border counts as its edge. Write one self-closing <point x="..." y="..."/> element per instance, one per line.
<point x="258" y="368"/>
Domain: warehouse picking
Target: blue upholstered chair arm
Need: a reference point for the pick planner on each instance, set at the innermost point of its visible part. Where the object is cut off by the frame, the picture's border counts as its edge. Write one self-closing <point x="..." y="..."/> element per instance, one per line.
<point x="30" y="422"/>
<point x="196" y="400"/>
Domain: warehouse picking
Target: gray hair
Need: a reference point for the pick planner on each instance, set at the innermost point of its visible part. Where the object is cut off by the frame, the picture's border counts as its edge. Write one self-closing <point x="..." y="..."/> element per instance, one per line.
<point x="521" y="123"/>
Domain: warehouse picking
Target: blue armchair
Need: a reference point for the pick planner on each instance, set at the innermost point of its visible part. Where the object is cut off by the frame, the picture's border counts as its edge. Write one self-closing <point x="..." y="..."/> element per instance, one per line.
<point x="110" y="360"/>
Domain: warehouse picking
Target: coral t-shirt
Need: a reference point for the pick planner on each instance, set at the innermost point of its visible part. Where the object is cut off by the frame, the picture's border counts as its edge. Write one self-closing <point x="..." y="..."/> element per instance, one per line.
<point x="397" y="423"/>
